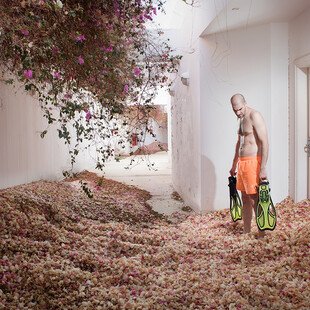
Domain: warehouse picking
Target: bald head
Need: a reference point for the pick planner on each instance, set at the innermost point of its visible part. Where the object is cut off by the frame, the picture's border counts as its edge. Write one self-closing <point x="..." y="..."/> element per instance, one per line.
<point x="237" y="98"/>
<point x="238" y="105"/>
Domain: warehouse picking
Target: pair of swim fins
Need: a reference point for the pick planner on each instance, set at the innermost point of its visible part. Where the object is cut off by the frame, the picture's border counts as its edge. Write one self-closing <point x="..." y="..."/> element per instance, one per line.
<point x="266" y="218"/>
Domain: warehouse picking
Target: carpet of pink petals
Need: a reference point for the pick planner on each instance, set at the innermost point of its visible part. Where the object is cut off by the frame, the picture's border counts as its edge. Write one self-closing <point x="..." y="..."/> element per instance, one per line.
<point x="62" y="250"/>
<point x="152" y="148"/>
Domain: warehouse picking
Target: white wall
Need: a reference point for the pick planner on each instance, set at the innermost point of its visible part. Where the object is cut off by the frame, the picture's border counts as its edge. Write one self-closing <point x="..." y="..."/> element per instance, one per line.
<point x="279" y="127"/>
<point x="299" y="51"/>
<point x="169" y="132"/>
<point x="185" y="105"/>
<point x="24" y="156"/>
<point x="160" y="132"/>
<point x="163" y="100"/>
<point x="186" y="170"/>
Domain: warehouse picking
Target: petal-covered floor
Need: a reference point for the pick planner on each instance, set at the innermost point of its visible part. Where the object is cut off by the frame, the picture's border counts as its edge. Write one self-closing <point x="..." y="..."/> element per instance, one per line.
<point x="62" y="250"/>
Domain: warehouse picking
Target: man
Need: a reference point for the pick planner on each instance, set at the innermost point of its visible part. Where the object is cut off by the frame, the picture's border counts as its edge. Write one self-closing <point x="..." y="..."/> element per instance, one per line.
<point x="251" y="155"/>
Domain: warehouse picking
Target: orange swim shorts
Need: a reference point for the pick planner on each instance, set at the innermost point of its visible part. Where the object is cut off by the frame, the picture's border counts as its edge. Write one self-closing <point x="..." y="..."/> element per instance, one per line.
<point x="248" y="174"/>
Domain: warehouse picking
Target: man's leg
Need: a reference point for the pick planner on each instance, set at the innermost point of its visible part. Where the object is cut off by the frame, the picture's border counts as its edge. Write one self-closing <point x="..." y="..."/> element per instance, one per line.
<point x="247" y="210"/>
<point x="254" y="198"/>
<point x="249" y="204"/>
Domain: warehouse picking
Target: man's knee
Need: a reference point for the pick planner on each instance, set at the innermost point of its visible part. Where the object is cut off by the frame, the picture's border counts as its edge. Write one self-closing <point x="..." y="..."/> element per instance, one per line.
<point x="248" y="199"/>
<point x="245" y="198"/>
<point x="253" y="198"/>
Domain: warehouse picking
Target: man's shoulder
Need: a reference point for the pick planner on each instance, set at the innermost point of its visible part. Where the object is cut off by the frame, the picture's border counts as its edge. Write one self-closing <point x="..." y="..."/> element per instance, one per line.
<point x="256" y="117"/>
<point x="254" y="114"/>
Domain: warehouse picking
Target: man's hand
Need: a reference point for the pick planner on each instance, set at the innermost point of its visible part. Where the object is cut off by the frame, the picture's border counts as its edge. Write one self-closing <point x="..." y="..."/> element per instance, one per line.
<point x="233" y="171"/>
<point x="263" y="174"/>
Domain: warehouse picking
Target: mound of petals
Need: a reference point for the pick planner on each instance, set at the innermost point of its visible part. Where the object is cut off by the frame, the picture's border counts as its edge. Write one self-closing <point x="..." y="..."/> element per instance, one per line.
<point x="62" y="250"/>
<point x="152" y="148"/>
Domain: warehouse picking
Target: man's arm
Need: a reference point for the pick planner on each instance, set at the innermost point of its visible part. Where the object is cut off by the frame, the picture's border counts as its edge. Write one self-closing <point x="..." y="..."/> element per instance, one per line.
<point x="261" y="132"/>
<point x="235" y="161"/>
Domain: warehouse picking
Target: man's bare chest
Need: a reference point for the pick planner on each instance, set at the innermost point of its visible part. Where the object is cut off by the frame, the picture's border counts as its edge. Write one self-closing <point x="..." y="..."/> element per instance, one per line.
<point x="245" y="127"/>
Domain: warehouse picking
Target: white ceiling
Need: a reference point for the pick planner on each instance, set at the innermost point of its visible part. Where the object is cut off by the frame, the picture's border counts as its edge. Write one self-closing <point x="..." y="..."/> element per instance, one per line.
<point x="255" y="12"/>
<point x="172" y="18"/>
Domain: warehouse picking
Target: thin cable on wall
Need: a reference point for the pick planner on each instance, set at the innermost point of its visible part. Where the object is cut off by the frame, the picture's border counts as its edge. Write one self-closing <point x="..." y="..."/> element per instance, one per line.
<point x="224" y="54"/>
<point x="217" y="56"/>
<point x="248" y="18"/>
<point x="191" y="49"/>
<point x="228" y="43"/>
<point x="193" y="3"/>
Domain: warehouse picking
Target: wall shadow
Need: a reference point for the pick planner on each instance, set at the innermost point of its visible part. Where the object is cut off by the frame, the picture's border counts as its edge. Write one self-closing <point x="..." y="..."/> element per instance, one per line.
<point x="208" y="185"/>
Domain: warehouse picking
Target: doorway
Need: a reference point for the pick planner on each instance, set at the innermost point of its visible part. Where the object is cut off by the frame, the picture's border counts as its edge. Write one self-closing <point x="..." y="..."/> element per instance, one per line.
<point x="302" y="129"/>
<point x="307" y="146"/>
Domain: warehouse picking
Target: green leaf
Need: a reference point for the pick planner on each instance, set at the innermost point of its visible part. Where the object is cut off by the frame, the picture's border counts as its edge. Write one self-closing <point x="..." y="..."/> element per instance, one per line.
<point x="43" y="133"/>
<point x="9" y="81"/>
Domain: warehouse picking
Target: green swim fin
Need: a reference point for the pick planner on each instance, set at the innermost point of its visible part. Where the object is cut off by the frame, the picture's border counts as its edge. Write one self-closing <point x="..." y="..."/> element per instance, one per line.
<point x="235" y="201"/>
<point x="266" y="217"/>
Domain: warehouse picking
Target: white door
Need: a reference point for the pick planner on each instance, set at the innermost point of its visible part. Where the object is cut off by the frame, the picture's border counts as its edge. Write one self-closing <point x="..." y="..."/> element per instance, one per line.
<point x="301" y="133"/>
<point x="307" y="146"/>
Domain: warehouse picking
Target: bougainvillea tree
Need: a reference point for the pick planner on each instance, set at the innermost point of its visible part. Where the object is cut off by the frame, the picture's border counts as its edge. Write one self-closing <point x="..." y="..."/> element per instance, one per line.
<point x="85" y="61"/>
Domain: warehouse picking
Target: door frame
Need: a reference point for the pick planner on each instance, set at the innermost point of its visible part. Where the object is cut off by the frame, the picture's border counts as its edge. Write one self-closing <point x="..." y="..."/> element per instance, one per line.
<point x="301" y="182"/>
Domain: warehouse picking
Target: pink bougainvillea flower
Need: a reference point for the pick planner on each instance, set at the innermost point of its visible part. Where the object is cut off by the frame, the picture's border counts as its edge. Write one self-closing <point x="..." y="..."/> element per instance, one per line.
<point x="126" y="88"/>
<point x="28" y="74"/>
<point x="80" y="60"/>
<point x="67" y="96"/>
<point x="56" y="75"/>
<point x="25" y="32"/>
<point x="88" y="116"/>
<point x="116" y="8"/>
<point x="109" y="27"/>
<point x="147" y="16"/>
<point x="55" y="50"/>
<point x="80" y="38"/>
<point x="154" y="10"/>
<point x="137" y="71"/>
<point x="107" y="49"/>
<point x="97" y="187"/>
